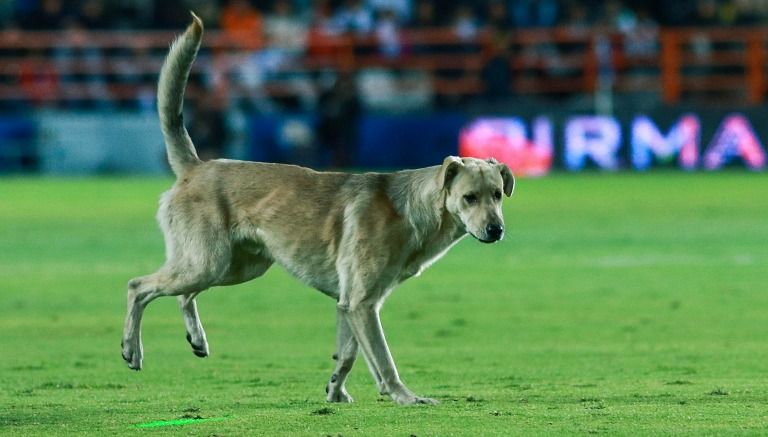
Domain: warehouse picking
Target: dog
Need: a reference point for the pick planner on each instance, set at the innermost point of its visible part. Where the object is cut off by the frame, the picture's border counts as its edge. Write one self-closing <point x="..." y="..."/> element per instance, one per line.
<point x="354" y="237"/>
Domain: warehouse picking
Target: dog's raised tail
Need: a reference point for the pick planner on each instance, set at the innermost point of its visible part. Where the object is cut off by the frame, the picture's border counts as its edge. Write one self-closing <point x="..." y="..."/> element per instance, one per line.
<point x="170" y="97"/>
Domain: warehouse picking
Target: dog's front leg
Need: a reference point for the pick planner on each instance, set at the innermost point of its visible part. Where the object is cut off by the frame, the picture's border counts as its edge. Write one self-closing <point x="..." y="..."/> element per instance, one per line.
<point x="366" y="326"/>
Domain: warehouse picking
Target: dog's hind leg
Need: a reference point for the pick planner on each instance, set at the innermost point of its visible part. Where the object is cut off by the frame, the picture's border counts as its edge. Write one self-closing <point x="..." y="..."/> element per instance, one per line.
<point x="346" y="353"/>
<point x="143" y="290"/>
<point x="195" y="332"/>
<point x="243" y="268"/>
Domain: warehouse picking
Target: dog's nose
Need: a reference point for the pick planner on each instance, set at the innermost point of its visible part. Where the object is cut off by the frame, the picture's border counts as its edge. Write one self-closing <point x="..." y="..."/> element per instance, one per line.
<point x="494" y="231"/>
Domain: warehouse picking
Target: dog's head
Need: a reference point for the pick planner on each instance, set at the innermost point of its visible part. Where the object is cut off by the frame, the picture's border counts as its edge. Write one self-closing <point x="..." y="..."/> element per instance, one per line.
<point x="473" y="191"/>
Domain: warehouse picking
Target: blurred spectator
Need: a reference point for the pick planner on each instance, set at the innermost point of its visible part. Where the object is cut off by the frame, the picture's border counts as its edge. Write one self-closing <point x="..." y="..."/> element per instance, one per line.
<point x="424" y="15"/>
<point x="641" y="39"/>
<point x="677" y="13"/>
<point x="49" y="15"/>
<point x="577" y="18"/>
<point x="324" y="31"/>
<point x="616" y="15"/>
<point x="339" y="109"/>
<point x="401" y="8"/>
<point x="208" y="125"/>
<point x="170" y="14"/>
<point x="7" y="14"/>
<point x="94" y="16"/>
<point x="208" y="11"/>
<point x="388" y="34"/>
<point x="722" y="13"/>
<point x="497" y="16"/>
<point x="241" y="22"/>
<point x="535" y="13"/>
<point x="37" y="78"/>
<point x="728" y="13"/>
<point x="322" y="18"/>
<point x="706" y="13"/>
<point x="286" y="34"/>
<point x="284" y="28"/>
<point x="497" y="72"/>
<point x="81" y="67"/>
<point x="354" y="16"/>
<point x="136" y="70"/>
<point x="130" y="14"/>
<point x="752" y="12"/>
<point x="465" y="23"/>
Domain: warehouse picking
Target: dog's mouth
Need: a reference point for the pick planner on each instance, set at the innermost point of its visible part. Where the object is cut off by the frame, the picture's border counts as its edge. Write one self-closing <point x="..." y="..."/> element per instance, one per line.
<point x="485" y="241"/>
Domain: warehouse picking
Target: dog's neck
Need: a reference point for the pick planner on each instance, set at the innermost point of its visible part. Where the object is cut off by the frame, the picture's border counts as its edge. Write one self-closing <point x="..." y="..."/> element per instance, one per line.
<point x="421" y="201"/>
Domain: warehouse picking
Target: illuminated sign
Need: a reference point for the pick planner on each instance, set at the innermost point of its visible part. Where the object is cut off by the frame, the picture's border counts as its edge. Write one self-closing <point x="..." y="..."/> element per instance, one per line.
<point x="683" y="139"/>
<point x="598" y="140"/>
<point x="735" y="137"/>
<point x="597" y="137"/>
<point x="506" y="140"/>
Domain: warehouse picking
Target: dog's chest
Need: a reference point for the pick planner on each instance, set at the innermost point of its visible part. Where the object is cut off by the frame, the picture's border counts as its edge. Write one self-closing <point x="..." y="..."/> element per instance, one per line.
<point x="419" y="260"/>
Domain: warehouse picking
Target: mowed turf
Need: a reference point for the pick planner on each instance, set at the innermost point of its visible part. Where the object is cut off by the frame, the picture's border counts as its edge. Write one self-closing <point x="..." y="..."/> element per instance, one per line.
<point x="617" y="303"/>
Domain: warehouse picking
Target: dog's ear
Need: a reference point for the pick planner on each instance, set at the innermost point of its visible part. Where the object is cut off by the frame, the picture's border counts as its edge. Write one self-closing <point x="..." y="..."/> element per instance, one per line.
<point x="449" y="170"/>
<point x="508" y="178"/>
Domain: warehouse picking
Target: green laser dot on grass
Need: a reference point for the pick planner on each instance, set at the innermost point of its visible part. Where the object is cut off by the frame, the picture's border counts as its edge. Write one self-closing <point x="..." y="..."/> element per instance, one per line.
<point x="177" y="422"/>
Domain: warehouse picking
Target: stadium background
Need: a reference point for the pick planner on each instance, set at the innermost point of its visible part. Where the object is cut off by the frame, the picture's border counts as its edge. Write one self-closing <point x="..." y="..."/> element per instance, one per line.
<point x="384" y="84"/>
<point x="621" y="301"/>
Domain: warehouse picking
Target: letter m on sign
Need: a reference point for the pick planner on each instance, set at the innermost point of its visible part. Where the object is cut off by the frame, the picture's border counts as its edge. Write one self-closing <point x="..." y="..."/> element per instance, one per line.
<point x="682" y="139"/>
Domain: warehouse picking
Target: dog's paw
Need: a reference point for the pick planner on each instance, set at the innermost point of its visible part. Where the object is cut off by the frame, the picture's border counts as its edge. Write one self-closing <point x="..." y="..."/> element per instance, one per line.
<point x="404" y="396"/>
<point x="414" y="400"/>
<point x="336" y="392"/>
<point x="199" y="350"/>
<point x="340" y="396"/>
<point x="425" y="401"/>
<point x="131" y="354"/>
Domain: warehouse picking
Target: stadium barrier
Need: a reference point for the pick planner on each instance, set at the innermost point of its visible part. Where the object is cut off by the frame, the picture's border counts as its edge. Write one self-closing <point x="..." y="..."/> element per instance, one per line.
<point x="533" y="141"/>
<point x="48" y="68"/>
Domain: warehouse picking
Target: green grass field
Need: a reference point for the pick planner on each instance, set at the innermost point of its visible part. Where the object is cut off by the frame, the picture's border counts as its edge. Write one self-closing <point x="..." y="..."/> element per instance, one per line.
<point x="619" y="304"/>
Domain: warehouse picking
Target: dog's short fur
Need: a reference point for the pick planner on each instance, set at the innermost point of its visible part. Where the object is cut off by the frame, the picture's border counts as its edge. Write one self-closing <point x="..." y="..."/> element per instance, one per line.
<point x="352" y="236"/>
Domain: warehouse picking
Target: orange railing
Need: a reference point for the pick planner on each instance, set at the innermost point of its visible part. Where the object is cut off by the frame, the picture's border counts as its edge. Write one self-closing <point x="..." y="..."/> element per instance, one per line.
<point x="48" y="67"/>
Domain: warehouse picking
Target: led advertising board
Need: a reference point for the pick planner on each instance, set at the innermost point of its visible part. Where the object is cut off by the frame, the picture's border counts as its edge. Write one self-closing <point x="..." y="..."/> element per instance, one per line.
<point x="599" y="141"/>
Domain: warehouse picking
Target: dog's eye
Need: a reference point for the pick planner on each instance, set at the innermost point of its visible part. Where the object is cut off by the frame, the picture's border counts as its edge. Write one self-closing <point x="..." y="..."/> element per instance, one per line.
<point x="470" y="198"/>
<point x="497" y="194"/>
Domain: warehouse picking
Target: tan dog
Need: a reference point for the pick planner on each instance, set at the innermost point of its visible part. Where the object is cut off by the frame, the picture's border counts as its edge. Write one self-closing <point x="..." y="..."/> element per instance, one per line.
<point x="354" y="237"/>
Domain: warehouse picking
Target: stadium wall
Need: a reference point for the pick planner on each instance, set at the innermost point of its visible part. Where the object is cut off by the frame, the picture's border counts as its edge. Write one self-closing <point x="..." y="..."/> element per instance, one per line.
<point x="533" y="140"/>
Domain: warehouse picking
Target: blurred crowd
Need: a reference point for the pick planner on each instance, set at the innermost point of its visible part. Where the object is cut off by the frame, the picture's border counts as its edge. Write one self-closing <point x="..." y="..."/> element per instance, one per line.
<point x="276" y="35"/>
<point x="293" y="18"/>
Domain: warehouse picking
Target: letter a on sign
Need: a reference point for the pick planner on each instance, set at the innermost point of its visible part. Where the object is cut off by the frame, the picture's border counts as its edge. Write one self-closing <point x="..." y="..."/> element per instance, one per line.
<point x="682" y="139"/>
<point x="735" y="137"/>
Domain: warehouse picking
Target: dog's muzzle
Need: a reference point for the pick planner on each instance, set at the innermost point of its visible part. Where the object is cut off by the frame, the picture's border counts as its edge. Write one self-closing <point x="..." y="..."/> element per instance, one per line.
<point x="492" y="233"/>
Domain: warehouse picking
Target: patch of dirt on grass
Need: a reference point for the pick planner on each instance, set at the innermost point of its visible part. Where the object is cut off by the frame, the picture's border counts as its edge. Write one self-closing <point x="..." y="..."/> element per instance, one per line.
<point x="679" y="382"/>
<point x="325" y="411"/>
<point x="719" y="391"/>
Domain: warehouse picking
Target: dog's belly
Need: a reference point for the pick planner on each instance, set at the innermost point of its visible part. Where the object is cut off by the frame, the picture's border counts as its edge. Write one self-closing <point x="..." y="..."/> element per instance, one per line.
<point x="322" y="278"/>
<point x="307" y="262"/>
